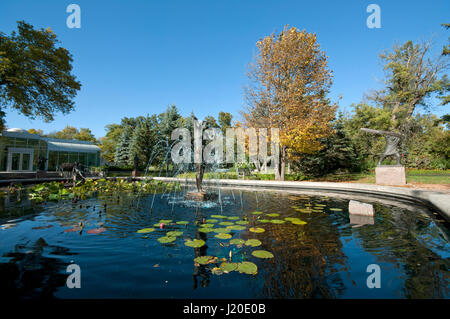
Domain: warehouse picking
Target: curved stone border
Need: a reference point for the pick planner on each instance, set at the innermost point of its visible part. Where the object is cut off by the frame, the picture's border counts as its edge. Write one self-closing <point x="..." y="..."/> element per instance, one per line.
<point x="437" y="200"/>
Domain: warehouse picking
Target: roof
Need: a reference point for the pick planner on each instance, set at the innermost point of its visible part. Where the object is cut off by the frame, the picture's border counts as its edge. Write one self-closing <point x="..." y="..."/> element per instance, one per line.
<point x="71" y="146"/>
<point x="55" y="144"/>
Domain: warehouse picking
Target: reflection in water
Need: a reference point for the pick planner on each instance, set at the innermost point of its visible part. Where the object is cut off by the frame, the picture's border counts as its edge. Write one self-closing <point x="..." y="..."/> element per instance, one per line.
<point x="314" y="260"/>
<point x="30" y="274"/>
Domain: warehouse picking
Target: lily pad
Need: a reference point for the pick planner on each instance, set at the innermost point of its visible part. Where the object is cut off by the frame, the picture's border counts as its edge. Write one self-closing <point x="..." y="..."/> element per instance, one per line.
<point x="336" y="209"/>
<point x="205" y="230"/>
<point x="196" y="243"/>
<point x="165" y="221"/>
<point x="233" y="218"/>
<point x="257" y="230"/>
<point x="262" y="254"/>
<point x="264" y="220"/>
<point x="242" y="222"/>
<point x="182" y="222"/>
<point x="174" y="233"/>
<point x="298" y="222"/>
<point x="223" y="236"/>
<point x="207" y="225"/>
<point x="237" y="241"/>
<point x="145" y="230"/>
<point x="218" y="216"/>
<point x="256" y="213"/>
<point x="247" y="267"/>
<point x="212" y="221"/>
<point x="228" y="267"/>
<point x="273" y="215"/>
<point x="166" y="239"/>
<point x="203" y="260"/>
<point x="226" y="223"/>
<point x="253" y="243"/>
<point x="277" y="221"/>
<point x="236" y="227"/>
<point x="222" y="230"/>
<point x="217" y="271"/>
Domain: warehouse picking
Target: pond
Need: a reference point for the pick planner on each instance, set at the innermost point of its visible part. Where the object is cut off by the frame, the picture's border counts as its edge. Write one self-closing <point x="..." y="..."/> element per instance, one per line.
<point x="248" y="244"/>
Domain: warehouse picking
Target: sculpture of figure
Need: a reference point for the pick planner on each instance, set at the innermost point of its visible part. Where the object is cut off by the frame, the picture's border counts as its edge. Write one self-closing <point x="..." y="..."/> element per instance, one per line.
<point x="392" y="143"/>
<point x="200" y="168"/>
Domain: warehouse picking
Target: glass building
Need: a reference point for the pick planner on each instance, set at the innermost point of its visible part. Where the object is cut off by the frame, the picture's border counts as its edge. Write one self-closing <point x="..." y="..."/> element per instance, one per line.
<point x="20" y="152"/>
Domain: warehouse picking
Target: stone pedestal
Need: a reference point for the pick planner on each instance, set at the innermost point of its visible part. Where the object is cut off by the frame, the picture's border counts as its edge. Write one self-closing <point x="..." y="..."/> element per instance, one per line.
<point x="41" y="174"/>
<point x="390" y="175"/>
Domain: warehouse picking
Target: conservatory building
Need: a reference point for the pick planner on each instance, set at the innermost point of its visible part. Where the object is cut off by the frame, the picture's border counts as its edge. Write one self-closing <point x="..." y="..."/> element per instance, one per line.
<point x="21" y="151"/>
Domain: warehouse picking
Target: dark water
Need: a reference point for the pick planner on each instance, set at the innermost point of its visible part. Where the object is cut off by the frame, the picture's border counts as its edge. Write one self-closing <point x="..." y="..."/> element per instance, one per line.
<point x="325" y="258"/>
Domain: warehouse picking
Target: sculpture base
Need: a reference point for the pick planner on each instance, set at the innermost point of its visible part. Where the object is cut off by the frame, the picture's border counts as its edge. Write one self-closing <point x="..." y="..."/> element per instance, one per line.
<point x="199" y="196"/>
<point x="390" y="175"/>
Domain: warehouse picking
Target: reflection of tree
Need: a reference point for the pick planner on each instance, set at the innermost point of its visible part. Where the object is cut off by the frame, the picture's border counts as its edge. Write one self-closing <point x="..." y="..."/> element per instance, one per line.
<point x="400" y="237"/>
<point x="200" y="271"/>
<point x="31" y="275"/>
<point x="306" y="259"/>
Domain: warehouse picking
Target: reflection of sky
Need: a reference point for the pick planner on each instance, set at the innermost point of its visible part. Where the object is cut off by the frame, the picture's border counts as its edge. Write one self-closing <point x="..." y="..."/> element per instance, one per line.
<point x="358" y="260"/>
<point x="122" y="263"/>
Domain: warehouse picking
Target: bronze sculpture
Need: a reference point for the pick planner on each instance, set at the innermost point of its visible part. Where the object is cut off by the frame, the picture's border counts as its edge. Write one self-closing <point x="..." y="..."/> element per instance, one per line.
<point x="393" y="140"/>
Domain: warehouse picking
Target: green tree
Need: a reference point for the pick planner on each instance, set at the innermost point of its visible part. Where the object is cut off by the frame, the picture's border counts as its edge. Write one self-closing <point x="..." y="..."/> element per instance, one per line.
<point x="110" y="140"/>
<point x="35" y="74"/>
<point x="225" y="121"/>
<point x="121" y="156"/>
<point x="412" y="77"/>
<point x="72" y="133"/>
<point x="144" y="139"/>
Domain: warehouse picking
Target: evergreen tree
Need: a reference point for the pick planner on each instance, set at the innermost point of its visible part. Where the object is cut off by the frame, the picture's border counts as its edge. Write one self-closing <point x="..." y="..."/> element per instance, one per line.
<point x="144" y="139"/>
<point x="123" y="146"/>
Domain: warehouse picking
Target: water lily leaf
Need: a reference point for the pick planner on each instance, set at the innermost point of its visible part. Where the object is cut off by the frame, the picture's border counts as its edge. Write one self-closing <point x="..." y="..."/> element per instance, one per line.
<point x="222" y="230"/>
<point x="145" y="230"/>
<point x="174" y="233"/>
<point x="277" y="221"/>
<point x="196" y="243"/>
<point x="226" y="223"/>
<point x="236" y="227"/>
<point x="237" y="241"/>
<point x="223" y="236"/>
<point x="273" y="215"/>
<point x="166" y="239"/>
<point x="242" y="222"/>
<point x="182" y="222"/>
<point x="212" y="221"/>
<point x="218" y="216"/>
<point x="256" y="213"/>
<point x="217" y="271"/>
<point x="205" y="230"/>
<point x="203" y="260"/>
<point x="207" y="225"/>
<point x="298" y="222"/>
<point x="247" y="267"/>
<point x="228" y="267"/>
<point x="264" y="220"/>
<point x="253" y="243"/>
<point x="262" y="254"/>
<point x="165" y="221"/>
<point x="291" y="218"/>
<point x="233" y="218"/>
<point x="336" y="209"/>
<point x="257" y="230"/>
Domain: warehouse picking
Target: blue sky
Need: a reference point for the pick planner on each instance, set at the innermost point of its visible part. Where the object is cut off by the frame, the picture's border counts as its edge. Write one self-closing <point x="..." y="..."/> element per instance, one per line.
<point x="137" y="57"/>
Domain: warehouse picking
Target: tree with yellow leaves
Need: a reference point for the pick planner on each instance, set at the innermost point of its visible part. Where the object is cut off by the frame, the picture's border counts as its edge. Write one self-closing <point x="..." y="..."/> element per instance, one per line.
<point x="289" y="80"/>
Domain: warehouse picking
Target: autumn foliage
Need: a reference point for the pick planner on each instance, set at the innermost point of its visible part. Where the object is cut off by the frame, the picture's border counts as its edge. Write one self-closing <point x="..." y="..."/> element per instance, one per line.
<point x="289" y="82"/>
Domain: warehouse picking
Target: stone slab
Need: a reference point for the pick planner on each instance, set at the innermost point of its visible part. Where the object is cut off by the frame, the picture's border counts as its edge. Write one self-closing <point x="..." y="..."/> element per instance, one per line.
<point x="390" y="175"/>
<point x="362" y="209"/>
